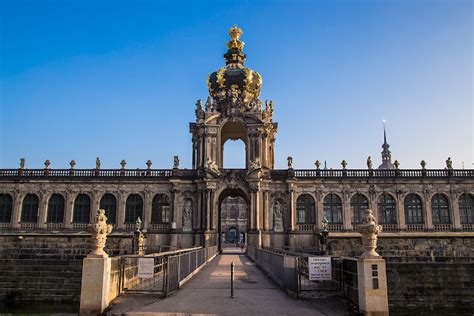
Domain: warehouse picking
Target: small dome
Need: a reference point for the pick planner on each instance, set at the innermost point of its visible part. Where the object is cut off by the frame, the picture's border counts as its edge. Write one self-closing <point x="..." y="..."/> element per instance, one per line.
<point x="234" y="77"/>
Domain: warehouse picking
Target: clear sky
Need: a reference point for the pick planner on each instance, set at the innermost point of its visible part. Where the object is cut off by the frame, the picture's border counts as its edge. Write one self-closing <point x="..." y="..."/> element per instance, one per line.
<point x="119" y="79"/>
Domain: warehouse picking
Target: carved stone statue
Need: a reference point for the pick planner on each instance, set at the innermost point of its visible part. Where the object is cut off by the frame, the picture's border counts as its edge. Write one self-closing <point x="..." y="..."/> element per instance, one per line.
<point x="187" y="216"/>
<point x="255" y="164"/>
<point x="369" y="231"/>
<point x="278" y="217"/>
<point x="211" y="165"/>
<point x="325" y="223"/>
<point x="97" y="163"/>
<point x="369" y="163"/>
<point x="449" y="163"/>
<point x="22" y="163"/>
<point x="99" y="229"/>
<point x="175" y="162"/>
<point x="290" y="162"/>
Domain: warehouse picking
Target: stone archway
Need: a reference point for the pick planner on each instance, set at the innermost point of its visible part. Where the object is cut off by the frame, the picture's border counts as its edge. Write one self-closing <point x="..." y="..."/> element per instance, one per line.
<point x="233" y="216"/>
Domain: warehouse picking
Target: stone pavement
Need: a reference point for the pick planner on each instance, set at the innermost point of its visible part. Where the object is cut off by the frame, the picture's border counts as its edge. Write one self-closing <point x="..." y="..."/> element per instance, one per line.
<point x="208" y="293"/>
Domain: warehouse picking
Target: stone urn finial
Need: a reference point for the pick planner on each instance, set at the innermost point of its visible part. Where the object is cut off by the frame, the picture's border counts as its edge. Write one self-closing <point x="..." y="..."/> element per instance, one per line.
<point x="148" y="164"/>
<point x="344" y="164"/>
<point x="396" y="164"/>
<point x="423" y="164"/>
<point x="123" y="163"/>
<point x="99" y="229"/>
<point x="369" y="231"/>
<point x="318" y="164"/>
<point x="72" y="163"/>
<point x="47" y="163"/>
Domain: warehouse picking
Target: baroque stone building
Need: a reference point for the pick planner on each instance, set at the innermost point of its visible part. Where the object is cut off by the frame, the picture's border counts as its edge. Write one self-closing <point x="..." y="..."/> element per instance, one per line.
<point x="420" y="210"/>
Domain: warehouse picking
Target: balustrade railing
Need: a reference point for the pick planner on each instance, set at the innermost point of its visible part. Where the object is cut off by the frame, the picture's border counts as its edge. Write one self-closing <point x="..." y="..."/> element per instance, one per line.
<point x="442" y="227"/>
<point x="389" y="227"/>
<point x="54" y="226"/>
<point x="305" y="227"/>
<point x="4" y="225"/>
<point x="80" y="226"/>
<point x="158" y="227"/>
<point x="415" y="227"/>
<point x="282" y="173"/>
<point x="28" y="226"/>
<point x="467" y="227"/>
<point x="335" y="227"/>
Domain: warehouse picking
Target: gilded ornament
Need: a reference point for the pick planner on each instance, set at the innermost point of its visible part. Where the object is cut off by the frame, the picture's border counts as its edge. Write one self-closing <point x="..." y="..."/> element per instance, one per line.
<point x="220" y="78"/>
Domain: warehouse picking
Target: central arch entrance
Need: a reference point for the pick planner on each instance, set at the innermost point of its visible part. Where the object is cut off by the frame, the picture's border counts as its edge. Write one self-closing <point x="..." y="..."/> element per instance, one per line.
<point x="233" y="218"/>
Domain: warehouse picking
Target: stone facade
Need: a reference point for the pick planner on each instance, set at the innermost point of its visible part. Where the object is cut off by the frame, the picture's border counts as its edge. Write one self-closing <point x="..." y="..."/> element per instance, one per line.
<point x="180" y="207"/>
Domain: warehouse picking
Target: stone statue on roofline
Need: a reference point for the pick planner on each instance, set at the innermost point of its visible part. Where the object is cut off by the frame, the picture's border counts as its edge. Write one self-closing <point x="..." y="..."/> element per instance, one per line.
<point x="99" y="230"/>
<point x="369" y="231"/>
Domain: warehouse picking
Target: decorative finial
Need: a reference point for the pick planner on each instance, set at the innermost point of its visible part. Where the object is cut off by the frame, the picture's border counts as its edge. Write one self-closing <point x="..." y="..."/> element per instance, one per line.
<point x="396" y="164"/>
<point x="99" y="229"/>
<point x="369" y="231"/>
<point x="423" y="164"/>
<point x="344" y="164"/>
<point x="72" y="163"/>
<point x="123" y="163"/>
<point x="46" y="164"/>
<point x="318" y="164"/>
<point x="22" y="163"/>
<point x="235" y="33"/>
<point x="148" y="164"/>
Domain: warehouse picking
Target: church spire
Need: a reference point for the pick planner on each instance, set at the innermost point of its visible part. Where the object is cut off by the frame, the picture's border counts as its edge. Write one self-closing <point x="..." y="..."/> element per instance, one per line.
<point x="386" y="154"/>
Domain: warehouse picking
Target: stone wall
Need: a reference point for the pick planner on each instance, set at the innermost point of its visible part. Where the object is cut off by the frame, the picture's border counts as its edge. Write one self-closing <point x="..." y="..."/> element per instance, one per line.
<point x="440" y="288"/>
<point x="47" y="267"/>
<point x="407" y="246"/>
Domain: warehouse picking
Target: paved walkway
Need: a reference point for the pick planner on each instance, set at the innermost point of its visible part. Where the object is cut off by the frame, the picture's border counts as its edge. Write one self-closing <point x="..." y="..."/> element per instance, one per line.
<point x="208" y="293"/>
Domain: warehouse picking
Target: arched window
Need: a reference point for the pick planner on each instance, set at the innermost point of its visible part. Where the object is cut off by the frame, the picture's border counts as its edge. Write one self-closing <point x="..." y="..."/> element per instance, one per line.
<point x="305" y="209"/>
<point x="234" y="154"/>
<point x="109" y="203"/>
<point x="29" y="211"/>
<point x="160" y="209"/>
<point x="6" y="207"/>
<point x="333" y="208"/>
<point x="133" y="209"/>
<point x="82" y="209"/>
<point x="413" y="209"/>
<point x="466" y="208"/>
<point x="359" y="204"/>
<point x="55" y="209"/>
<point x="440" y="209"/>
<point x="387" y="209"/>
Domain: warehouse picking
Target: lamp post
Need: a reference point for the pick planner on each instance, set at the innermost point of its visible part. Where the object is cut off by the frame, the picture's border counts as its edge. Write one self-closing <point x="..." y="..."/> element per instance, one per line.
<point x="323" y="235"/>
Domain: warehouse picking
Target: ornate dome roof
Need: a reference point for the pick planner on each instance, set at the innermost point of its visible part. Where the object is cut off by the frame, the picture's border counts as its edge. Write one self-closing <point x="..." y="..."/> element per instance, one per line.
<point x="234" y="80"/>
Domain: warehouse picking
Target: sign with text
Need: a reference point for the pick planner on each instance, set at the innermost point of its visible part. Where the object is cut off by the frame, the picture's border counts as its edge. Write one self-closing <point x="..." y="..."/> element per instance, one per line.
<point x="146" y="268"/>
<point x="319" y="268"/>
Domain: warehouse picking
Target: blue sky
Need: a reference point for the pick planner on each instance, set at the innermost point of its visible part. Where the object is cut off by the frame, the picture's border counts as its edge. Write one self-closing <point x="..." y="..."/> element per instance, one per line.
<point x="119" y="79"/>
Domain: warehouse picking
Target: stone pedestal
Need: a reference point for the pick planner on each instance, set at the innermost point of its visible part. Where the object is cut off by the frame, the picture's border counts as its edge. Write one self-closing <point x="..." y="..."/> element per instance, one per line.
<point x="266" y="240"/>
<point x="173" y="239"/>
<point x="292" y="240"/>
<point x="372" y="283"/>
<point x="95" y="285"/>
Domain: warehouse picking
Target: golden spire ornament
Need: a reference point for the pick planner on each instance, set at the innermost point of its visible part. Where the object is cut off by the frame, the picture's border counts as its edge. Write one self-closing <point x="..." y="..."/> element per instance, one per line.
<point x="235" y="33"/>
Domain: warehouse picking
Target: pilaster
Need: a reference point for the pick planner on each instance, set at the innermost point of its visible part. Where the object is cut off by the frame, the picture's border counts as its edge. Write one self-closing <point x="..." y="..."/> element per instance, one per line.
<point x="43" y="210"/>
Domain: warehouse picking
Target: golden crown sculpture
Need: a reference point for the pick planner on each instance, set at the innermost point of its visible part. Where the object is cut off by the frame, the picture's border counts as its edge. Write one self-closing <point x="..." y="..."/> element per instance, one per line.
<point x="235" y="33"/>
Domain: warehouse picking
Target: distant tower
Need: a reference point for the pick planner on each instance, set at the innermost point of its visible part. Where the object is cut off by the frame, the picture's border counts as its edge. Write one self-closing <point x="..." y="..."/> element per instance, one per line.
<point x="386" y="154"/>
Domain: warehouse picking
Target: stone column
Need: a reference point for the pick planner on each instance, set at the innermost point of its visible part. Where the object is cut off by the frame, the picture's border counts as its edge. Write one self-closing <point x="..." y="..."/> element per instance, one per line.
<point x="266" y="218"/>
<point x="319" y="210"/>
<point x="428" y="214"/>
<point x="402" y="223"/>
<point x="455" y="212"/>
<point x="122" y="204"/>
<point x="147" y="209"/>
<point x="346" y="212"/>
<point x="255" y="234"/>
<point x="16" y="212"/>
<point x="372" y="286"/>
<point x="43" y="210"/>
<point x="69" y="209"/>
<point x="212" y="210"/>
<point x="292" y="208"/>
<point x="95" y="205"/>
